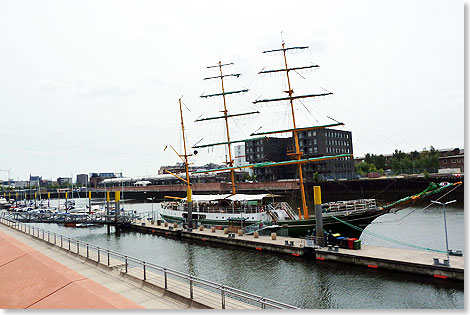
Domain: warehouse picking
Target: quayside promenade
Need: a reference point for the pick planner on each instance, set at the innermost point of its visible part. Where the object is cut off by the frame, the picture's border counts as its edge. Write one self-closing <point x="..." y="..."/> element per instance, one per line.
<point x="44" y="270"/>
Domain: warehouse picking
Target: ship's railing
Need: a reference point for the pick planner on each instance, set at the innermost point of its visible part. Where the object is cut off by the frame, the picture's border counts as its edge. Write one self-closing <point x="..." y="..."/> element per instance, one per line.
<point x="350" y="205"/>
<point x="228" y="210"/>
<point x="202" y="209"/>
<point x="284" y="206"/>
<point x="200" y="290"/>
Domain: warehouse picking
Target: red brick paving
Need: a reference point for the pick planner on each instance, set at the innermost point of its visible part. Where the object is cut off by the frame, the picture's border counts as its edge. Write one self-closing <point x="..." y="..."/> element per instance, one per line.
<point x="29" y="279"/>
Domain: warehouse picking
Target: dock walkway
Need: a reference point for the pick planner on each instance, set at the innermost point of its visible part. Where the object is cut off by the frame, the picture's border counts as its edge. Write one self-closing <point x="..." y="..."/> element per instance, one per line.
<point x="417" y="262"/>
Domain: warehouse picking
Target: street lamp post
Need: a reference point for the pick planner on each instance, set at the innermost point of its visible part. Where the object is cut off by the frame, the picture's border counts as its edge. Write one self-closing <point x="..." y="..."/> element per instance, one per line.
<point x="445" y="222"/>
<point x="153" y="215"/>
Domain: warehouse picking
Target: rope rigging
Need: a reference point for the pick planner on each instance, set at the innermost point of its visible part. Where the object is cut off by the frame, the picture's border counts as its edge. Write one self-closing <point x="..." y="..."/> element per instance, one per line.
<point x="386" y="238"/>
<point x="400" y="219"/>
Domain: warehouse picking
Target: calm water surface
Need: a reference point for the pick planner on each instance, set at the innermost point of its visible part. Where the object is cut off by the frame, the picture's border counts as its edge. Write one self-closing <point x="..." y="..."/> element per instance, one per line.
<point x="300" y="282"/>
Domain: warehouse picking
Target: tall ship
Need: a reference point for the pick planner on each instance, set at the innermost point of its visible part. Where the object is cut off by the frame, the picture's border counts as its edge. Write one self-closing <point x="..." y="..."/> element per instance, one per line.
<point x="267" y="213"/>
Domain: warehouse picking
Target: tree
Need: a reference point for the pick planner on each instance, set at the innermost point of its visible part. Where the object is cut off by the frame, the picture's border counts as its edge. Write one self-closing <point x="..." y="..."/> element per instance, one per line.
<point x="364" y="168"/>
<point x="315" y="177"/>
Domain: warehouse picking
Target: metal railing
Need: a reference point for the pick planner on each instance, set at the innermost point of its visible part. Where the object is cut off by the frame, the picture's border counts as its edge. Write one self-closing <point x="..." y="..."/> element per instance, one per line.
<point x="350" y="205"/>
<point x="194" y="288"/>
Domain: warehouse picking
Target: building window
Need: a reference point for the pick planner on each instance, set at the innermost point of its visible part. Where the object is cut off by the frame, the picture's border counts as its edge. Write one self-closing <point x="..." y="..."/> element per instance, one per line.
<point x="445" y="161"/>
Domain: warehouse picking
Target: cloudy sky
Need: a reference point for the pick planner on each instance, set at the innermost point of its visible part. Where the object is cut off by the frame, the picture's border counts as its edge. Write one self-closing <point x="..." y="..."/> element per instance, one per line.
<point x="93" y="86"/>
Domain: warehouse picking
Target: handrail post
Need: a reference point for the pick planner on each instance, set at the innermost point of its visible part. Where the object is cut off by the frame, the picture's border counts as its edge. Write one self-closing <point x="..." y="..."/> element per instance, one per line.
<point x="98" y="254"/>
<point x="108" y="257"/>
<point x="191" y="287"/>
<point x="61" y="241"/>
<point x="78" y="247"/>
<point x="145" y="273"/>
<point x="222" y="292"/>
<point x="87" y="255"/>
<point x="69" y="243"/>
<point x="166" y="278"/>
<point x="55" y="238"/>
<point x="48" y="237"/>
<point x="126" y="263"/>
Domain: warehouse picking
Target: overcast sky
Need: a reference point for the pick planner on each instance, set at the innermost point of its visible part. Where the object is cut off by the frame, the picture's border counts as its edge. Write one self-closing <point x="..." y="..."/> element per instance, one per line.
<point x="93" y="86"/>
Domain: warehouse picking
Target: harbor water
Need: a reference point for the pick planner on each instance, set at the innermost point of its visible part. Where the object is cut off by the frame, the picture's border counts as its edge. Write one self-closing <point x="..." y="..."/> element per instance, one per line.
<point x="301" y="282"/>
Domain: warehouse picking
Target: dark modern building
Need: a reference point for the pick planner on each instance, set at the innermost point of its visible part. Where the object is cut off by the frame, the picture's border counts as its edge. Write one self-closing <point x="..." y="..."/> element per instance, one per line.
<point x="268" y="150"/>
<point x="82" y="179"/>
<point x="35" y="180"/>
<point x="313" y="143"/>
<point x="64" y="180"/>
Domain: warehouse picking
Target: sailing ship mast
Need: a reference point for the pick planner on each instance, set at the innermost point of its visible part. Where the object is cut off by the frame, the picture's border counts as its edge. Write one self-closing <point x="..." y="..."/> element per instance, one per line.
<point x="225" y="116"/>
<point x="298" y="160"/>
<point x="298" y="153"/>
<point x="184" y="158"/>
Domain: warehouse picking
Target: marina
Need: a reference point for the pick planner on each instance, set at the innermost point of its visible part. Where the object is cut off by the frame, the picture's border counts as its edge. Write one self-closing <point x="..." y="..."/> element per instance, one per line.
<point x="206" y="248"/>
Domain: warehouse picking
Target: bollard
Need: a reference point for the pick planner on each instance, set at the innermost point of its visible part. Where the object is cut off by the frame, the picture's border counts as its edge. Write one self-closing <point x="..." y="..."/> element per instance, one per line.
<point x="166" y="224"/>
<point x="320" y="237"/>
<point x="273" y="236"/>
<point x="240" y="232"/>
<point x="175" y="225"/>
<point x="201" y="228"/>
<point x="213" y="229"/>
<point x="226" y="231"/>
<point x="256" y="234"/>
